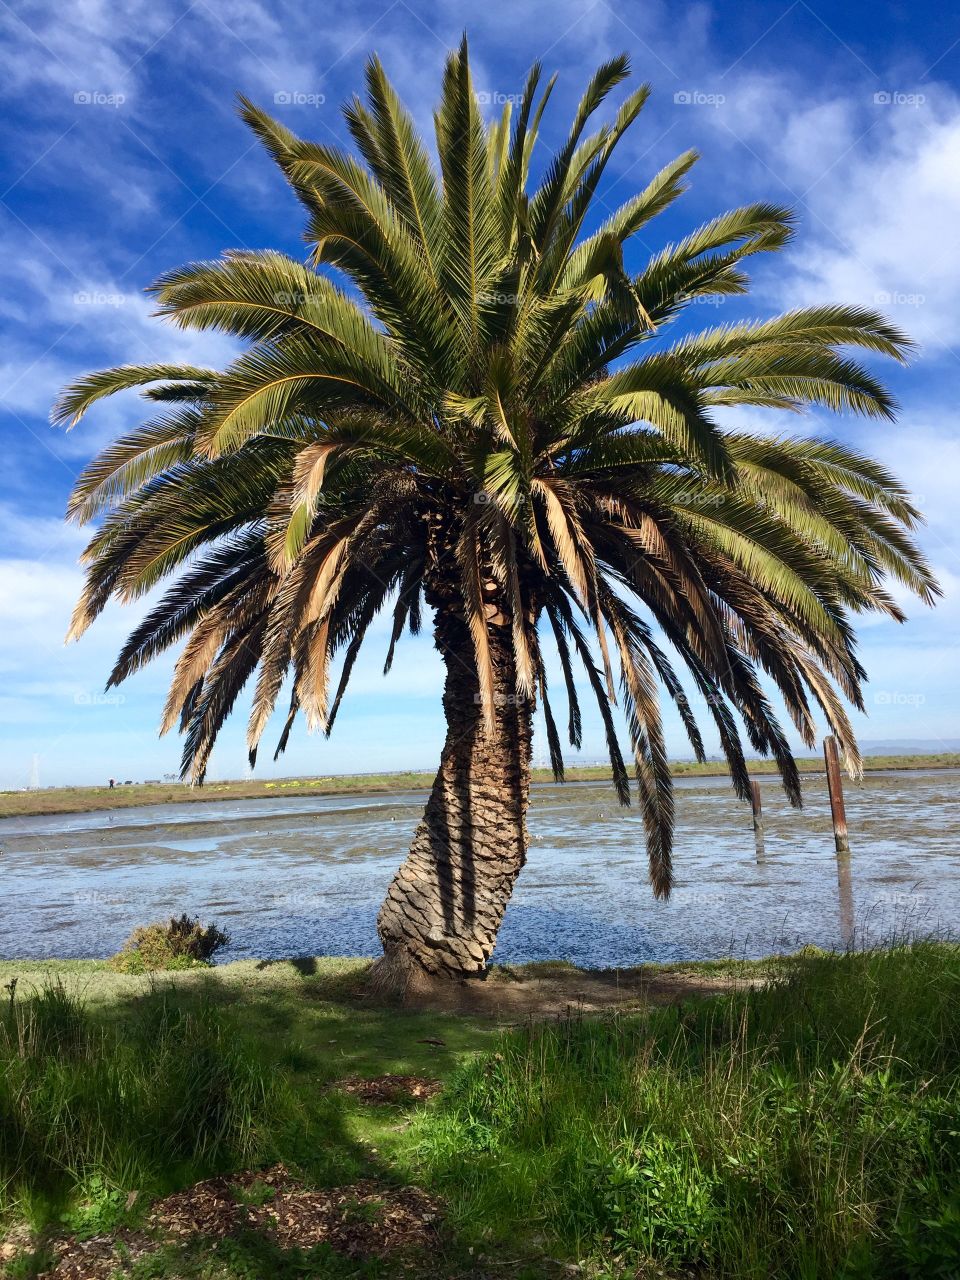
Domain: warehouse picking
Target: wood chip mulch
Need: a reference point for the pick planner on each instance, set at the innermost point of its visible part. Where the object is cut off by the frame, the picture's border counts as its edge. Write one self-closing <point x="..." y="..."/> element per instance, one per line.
<point x="97" y="1258"/>
<point x="387" y="1089"/>
<point x="361" y="1221"/>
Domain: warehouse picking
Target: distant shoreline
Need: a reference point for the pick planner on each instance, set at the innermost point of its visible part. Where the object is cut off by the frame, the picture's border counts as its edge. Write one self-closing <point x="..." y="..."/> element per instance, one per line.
<point x="22" y="804"/>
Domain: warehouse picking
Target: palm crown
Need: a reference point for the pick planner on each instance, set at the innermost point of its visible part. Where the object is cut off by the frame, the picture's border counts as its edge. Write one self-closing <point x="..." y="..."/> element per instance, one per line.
<point x="487" y="414"/>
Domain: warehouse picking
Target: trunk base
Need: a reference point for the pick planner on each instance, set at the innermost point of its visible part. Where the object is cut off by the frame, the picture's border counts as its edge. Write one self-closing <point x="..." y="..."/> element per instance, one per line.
<point x="396" y="979"/>
<point x="396" y="976"/>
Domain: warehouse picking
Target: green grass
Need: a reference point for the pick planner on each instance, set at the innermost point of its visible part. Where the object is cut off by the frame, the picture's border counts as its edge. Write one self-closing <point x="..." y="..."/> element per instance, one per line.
<point x="807" y="1129"/>
<point x="91" y="1110"/>
<point x="89" y="799"/>
<point x="309" y="1014"/>
<point x="263" y="1040"/>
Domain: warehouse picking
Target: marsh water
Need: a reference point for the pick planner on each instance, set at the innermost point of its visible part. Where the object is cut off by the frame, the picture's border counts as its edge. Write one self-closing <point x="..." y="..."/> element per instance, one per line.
<point x="305" y="875"/>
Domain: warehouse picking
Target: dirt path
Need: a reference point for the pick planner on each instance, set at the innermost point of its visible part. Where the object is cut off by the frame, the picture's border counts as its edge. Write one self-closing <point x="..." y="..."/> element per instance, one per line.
<point x="550" y="990"/>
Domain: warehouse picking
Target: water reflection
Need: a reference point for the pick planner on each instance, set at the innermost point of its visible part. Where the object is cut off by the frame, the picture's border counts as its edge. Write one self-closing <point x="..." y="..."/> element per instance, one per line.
<point x="845" y="898"/>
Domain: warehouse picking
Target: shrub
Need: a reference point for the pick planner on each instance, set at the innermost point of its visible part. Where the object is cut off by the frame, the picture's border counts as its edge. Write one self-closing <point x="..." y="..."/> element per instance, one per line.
<point x="180" y="944"/>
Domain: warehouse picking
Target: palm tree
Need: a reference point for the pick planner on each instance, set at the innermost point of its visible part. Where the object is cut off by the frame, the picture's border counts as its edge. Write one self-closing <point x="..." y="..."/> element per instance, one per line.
<point x="466" y="402"/>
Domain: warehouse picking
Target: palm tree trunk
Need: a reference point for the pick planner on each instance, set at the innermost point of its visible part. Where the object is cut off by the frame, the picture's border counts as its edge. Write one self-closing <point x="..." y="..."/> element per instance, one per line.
<point x="444" y="908"/>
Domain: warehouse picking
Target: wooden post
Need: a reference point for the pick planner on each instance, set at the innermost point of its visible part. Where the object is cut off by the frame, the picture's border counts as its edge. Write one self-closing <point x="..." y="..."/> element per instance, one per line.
<point x="757" y="818"/>
<point x="835" y="787"/>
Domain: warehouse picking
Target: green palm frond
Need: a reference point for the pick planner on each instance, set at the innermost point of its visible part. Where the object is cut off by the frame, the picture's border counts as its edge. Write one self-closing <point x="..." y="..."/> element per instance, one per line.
<point x="75" y="400"/>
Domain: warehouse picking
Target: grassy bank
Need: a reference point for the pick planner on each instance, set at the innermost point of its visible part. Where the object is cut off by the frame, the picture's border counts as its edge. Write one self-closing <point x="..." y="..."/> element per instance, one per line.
<point x="806" y="1126"/>
<point x="808" y="1129"/>
<point x="88" y="799"/>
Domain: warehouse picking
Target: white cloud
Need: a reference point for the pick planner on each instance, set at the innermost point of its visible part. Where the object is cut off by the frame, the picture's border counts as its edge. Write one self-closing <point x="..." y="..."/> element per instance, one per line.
<point x="91" y="45"/>
<point x="880" y="225"/>
<point x="61" y="325"/>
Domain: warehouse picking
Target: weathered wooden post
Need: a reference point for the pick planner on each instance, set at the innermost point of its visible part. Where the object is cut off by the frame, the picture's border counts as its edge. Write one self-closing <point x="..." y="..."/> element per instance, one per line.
<point x="835" y="788"/>
<point x="757" y="818"/>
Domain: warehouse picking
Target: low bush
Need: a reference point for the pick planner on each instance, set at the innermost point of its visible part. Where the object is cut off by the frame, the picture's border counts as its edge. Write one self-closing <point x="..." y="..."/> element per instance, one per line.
<point x="181" y="943"/>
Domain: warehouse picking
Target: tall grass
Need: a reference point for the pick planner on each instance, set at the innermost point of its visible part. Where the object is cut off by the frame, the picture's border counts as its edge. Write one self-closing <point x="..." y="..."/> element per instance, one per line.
<point x="90" y="1110"/>
<point x="811" y="1129"/>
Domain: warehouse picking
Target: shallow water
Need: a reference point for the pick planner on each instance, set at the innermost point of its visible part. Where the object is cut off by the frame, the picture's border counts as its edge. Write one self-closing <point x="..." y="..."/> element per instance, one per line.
<point x="305" y="876"/>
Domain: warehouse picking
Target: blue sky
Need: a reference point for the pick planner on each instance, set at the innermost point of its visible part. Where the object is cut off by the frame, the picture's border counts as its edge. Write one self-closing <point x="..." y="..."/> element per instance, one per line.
<point x="124" y="157"/>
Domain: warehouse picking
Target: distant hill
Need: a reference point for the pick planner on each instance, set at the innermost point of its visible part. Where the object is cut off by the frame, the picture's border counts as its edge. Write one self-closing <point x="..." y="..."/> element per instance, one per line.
<point x="912" y="746"/>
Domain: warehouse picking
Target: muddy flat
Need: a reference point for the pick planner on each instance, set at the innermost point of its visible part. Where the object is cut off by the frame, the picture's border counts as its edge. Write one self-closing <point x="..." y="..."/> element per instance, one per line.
<point x="308" y="876"/>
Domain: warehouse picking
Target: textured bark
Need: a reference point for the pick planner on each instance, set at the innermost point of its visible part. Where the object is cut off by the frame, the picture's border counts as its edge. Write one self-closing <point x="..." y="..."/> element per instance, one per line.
<point x="444" y="908"/>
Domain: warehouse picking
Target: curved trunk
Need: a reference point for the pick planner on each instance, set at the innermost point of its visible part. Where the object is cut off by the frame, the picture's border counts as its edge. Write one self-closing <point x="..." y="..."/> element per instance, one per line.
<point x="444" y="908"/>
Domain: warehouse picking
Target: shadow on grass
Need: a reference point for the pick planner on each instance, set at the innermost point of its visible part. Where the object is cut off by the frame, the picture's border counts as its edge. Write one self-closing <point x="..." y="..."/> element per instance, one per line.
<point x="323" y="1026"/>
<point x="166" y="1087"/>
<point x="306" y="966"/>
<point x="154" y="1093"/>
